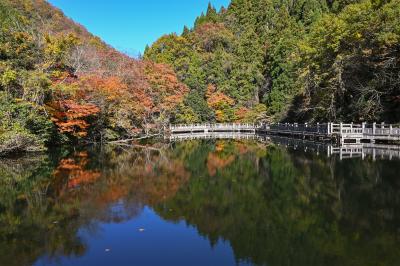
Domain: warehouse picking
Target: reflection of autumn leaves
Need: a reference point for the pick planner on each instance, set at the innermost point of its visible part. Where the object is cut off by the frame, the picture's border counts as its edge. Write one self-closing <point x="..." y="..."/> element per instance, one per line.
<point x="159" y="182"/>
<point x="113" y="193"/>
<point x="220" y="158"/>
<point x="142" y="183"/>
<point x="148" y="180"/>
<point x="242" y="148"/>
<point x="215" y="162"/>
<point x="74" y="170"/>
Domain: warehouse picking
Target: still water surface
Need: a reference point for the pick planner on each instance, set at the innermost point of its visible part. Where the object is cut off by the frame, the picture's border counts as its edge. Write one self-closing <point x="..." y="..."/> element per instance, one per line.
<point x="200" y="202"/>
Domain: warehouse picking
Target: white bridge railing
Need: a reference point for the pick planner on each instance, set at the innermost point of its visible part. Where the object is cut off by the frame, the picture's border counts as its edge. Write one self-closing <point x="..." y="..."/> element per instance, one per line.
<point x="342" y="131"/>
<point x="211" y="127"/>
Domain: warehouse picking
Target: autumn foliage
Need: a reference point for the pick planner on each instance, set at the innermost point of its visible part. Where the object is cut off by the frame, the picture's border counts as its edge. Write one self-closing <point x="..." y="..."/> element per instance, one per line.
<point x="127" y="96"/>
<point x="165" y="90"/>
<point x="72" y="118"/>
<point x="220" y="102"/>
<point x="81" y="88"/>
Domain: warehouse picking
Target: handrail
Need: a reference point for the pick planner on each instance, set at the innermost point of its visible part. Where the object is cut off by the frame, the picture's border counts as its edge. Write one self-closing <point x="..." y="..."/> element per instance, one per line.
<point x="329" y="129"/>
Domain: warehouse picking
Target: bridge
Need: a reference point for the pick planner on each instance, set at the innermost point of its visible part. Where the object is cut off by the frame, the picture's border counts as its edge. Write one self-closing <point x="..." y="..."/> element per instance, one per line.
<point x="215" y="135"/>
<point x="340" y="132"/>
<point x="206" y="128"/>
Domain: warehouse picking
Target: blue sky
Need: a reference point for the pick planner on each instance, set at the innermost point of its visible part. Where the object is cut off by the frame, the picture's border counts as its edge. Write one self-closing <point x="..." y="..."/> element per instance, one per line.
<point x="128" y="25"/>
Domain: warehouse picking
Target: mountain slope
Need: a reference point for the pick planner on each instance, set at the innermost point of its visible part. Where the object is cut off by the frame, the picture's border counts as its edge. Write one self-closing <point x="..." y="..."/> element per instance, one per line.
<point x="310" y="60"/>
<point x="59" y="83"/>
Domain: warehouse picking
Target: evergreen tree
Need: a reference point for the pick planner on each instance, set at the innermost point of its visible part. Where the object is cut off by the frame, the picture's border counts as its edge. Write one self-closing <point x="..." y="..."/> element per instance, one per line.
<point x="308" y="60"/>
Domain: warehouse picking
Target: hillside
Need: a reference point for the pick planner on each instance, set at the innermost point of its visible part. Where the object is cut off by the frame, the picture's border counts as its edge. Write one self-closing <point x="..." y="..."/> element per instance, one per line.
<point x="309" y="60"/>
<point x="60" y="84"/>
<point x="256" y="60"/>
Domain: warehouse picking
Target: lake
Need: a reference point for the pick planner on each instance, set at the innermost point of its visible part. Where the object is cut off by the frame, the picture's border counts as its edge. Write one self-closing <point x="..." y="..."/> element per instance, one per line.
<point x="199" y="202"/>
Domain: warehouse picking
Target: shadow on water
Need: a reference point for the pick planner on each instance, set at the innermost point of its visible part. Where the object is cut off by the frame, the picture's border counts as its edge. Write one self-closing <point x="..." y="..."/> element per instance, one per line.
<point x="270" y="204"/>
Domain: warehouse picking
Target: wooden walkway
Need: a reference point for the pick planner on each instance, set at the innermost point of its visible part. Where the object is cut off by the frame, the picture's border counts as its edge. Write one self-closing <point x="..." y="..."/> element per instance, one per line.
<point x="339" y="132"/>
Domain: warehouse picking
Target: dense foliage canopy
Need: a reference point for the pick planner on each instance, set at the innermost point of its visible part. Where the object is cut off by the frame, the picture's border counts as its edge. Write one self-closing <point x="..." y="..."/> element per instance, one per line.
<point x="309" y="60"/>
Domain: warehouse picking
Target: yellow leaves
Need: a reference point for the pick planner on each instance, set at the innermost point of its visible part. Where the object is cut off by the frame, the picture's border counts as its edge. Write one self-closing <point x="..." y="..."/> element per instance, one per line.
<point x="219" y="115"/>
<point x="389" y="38"/>
<point x="57" y="48"/>
<point x="21" y="42"/>
<point x="8" y="77"/>
<point x="186" y="114"/>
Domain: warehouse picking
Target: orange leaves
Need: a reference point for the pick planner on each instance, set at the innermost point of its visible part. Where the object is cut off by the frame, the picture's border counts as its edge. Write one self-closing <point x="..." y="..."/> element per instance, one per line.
<point x="165" y="91"/>
<point x="241" y="114"/>
<point x="219" y="102"/>
<point x="130" y="93"/>
<point x="70" y="117"/>
<point x="211" y="89"/>
<point x="138" y="91"/>
<point x="217" y="99"/>
<point x="166" y="88"/>
<point x="111" y="87"/>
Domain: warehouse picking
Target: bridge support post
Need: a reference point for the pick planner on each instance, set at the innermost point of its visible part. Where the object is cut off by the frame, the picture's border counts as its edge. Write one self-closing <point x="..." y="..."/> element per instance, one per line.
<point x="341" y="134"/>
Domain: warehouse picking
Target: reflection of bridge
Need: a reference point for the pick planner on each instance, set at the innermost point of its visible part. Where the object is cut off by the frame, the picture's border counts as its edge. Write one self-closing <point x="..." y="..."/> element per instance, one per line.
<point x="362" y="150"/>
<point x="366" y="149"/>
<point x="343" y="133"/>
<point x="375" y="151"/>
<point x="214" y="135"/>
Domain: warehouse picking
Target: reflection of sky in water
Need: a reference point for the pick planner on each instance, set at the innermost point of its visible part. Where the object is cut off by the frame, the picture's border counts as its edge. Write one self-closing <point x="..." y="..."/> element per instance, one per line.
<point x="160" y="243"/>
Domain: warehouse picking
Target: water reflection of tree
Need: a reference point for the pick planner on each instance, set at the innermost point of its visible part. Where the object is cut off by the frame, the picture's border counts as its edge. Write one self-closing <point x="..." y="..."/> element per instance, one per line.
<point x="287" y="208"/>
<point x="44" y="202"/>
<point x="274" y="206"/>
<point x="27" y="215"/>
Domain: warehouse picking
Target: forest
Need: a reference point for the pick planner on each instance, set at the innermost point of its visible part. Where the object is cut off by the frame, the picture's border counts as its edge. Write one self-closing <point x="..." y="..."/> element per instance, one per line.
<point x="256" y="60"/>
<point x="60" y="84"/>
<point x="308" y="60"/>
